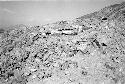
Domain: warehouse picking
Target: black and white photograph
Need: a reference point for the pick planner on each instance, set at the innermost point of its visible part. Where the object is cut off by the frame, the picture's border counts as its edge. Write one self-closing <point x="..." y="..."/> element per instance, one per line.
<point x="62" y="41"/>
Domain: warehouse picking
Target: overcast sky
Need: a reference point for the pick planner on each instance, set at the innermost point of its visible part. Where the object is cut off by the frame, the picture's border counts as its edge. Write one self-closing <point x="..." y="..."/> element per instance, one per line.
<point x="43" y="12"/>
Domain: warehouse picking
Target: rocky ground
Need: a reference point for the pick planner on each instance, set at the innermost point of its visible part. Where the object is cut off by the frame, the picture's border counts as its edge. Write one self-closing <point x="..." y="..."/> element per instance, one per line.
<point x="87" y="50"/>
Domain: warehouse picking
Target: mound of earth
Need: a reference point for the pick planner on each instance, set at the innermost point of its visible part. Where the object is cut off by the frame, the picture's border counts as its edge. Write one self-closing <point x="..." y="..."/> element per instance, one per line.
<point x="86" y="50"/>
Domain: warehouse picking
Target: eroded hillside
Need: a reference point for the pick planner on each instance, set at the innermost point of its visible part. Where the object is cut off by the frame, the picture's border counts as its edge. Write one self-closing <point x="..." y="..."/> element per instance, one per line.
<point x="87" y="50"/>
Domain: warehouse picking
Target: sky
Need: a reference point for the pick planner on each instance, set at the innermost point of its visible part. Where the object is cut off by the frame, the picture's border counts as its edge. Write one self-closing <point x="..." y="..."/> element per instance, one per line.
<point x="41" y="12"/>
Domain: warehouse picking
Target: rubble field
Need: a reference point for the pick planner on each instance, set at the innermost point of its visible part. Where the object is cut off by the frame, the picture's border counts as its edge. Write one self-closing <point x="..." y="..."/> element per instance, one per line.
<point x="86" y="50"/>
